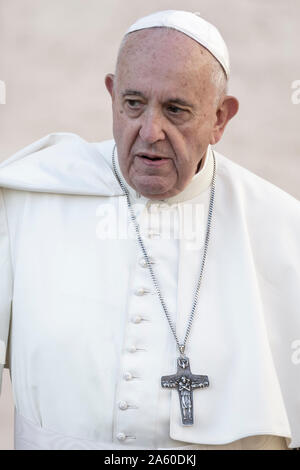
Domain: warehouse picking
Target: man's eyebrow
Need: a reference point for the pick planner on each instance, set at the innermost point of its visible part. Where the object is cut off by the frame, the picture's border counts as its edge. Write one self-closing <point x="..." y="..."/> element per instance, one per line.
<point x="178" y="101"/>
<point x="132" y="93"/>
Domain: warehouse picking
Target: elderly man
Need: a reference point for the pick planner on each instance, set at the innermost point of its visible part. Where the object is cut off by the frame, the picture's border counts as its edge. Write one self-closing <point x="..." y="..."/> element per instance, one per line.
<point x="153" y="285"/>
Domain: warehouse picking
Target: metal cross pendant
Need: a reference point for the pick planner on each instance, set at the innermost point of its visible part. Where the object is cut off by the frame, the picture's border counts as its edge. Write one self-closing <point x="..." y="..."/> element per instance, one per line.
<point x="185" y="382"/>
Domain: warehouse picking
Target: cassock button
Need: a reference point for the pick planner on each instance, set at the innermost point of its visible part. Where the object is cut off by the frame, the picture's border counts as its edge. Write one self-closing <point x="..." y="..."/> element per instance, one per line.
<point x="153" y="233"/>
<point x="123" y="405"/>
<point x="143" y="262"/>
<point x="121" y="436"/>
<point x="136" y="319"/>
<point x="128" y="376"/>
<point x="141" y="291"/>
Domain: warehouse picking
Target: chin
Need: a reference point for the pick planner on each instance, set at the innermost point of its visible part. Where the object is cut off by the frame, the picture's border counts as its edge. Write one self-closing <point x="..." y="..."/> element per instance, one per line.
<point x="151" y="194"/>
<point x="150" y="188"/>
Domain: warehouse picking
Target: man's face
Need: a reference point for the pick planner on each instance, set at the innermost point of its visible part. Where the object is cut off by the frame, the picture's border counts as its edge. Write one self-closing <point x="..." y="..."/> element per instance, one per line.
<point x="164" y="110"/>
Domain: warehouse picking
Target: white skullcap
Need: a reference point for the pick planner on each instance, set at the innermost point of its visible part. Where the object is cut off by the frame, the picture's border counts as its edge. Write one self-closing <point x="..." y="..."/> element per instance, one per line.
<point x="193" y="26"/>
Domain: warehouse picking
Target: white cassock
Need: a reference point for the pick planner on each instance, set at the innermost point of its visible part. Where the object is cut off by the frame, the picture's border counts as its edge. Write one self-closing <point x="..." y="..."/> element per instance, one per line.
<point x="89" y="341"/>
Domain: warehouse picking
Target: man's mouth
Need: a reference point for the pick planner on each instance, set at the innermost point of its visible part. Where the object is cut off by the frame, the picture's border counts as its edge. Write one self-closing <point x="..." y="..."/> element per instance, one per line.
<point x="152" y="159"/>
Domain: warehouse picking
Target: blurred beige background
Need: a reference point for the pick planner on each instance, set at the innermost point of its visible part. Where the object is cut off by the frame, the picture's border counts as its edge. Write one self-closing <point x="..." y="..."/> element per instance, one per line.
<point x="54" y="55"/>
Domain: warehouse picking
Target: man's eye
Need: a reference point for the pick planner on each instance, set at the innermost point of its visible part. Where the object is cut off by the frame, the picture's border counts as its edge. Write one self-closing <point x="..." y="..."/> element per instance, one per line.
<point x="174" y="109"/>
<point x="133" y="104"/>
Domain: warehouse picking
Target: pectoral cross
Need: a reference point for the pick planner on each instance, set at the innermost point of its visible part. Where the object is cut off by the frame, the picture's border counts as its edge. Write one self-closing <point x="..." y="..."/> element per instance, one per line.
<point x="185" y="382"/>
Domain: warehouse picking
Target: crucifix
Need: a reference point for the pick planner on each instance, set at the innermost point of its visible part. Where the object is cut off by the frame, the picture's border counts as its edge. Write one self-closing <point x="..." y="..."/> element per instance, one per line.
<point x="185" y="382"/>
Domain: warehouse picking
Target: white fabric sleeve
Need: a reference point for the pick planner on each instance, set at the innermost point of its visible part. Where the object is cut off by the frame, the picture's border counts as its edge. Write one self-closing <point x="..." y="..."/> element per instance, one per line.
<point x="5" y="286"/>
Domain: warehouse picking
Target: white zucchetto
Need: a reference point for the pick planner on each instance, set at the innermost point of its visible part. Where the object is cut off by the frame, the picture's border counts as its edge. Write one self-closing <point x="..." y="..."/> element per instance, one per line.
<point x="193" y="26"/>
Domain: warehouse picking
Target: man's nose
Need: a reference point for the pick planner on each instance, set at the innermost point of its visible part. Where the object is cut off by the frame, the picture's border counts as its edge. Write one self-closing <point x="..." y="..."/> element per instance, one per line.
<point x="151" y="129"/>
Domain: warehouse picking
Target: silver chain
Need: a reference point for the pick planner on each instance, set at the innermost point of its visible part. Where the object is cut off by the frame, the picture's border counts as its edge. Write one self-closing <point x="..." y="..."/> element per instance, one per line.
<point x="181" y="346"/>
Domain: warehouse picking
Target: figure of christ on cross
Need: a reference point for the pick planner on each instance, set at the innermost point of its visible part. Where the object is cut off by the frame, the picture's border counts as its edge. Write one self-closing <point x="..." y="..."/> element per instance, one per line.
<point x="185" y="382"/>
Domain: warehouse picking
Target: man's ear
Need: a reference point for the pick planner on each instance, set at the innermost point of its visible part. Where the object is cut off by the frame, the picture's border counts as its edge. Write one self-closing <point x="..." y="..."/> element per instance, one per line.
<point x="226" y="110"/>
<point x="109" y="83"/>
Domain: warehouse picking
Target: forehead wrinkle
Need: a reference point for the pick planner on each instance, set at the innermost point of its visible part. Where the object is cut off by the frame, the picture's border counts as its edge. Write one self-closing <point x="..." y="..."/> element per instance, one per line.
<point x="143" y="41"/>
<point x="174" y="100"/>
